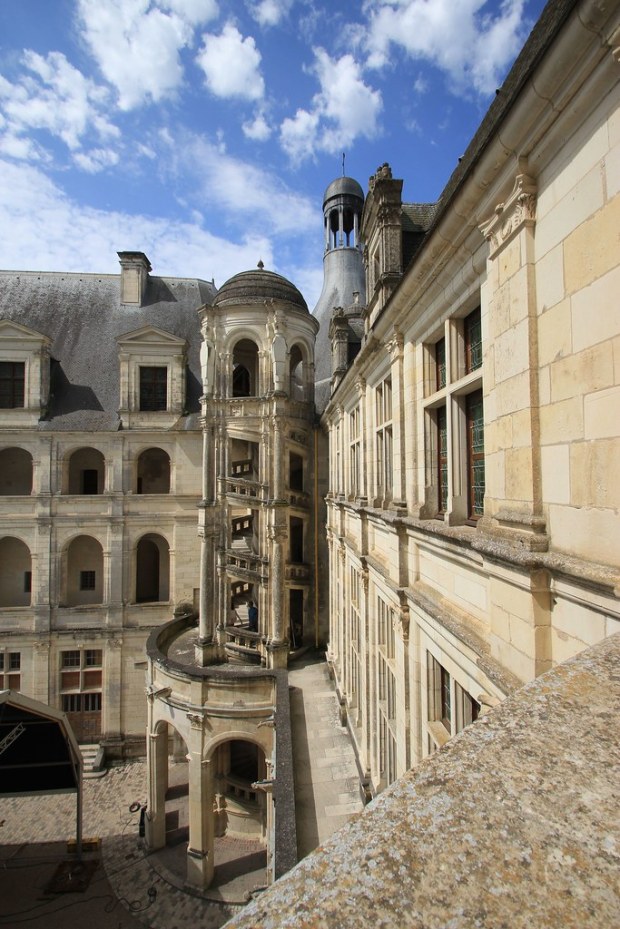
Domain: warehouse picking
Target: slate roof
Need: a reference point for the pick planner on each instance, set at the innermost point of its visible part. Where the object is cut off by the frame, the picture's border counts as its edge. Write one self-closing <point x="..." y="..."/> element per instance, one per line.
<point x="83" y="316"/>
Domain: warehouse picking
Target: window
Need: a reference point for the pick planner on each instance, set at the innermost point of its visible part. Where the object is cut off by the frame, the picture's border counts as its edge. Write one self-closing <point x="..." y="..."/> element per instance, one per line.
<point x="81" y="680"/>
<point x="467" y="709"/>
<point x="442" y="459"/>
<point x="386" y="676"/>
<point x="440" y="363"/>
<point x="355" y="452"/>
<point x="90" y="481"/>
<point x="454" y="422"/>
<point x="474" y="415"/>
<point x="472" y="332"/>
<point x="383" y="437"/>
<point x="87" y="580"/>
<point x="12" y="381"/>
<point x="10" y="670"/>
<point x="153" y="388"/>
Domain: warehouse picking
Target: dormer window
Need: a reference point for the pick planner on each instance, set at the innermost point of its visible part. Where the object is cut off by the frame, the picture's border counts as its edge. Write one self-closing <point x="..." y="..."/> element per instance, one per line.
<point x="24" y="373"/>
<point x="12" y="380"/>
<point x="152" y="377"/>
<point x="153" y="388"/>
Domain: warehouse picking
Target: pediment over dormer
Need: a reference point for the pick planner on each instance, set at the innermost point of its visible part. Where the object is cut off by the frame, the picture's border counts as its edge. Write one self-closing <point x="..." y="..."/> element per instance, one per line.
<point x="12" y="332"/>
<point x="150" y="336"/>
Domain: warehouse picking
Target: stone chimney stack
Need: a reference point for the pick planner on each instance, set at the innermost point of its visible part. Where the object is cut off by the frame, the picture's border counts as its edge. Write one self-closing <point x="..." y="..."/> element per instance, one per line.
<point x="135" y="268"/>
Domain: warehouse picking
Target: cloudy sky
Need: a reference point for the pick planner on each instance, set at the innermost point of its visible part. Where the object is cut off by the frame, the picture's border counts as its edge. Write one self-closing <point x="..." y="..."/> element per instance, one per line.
<point x="204" y="132"/>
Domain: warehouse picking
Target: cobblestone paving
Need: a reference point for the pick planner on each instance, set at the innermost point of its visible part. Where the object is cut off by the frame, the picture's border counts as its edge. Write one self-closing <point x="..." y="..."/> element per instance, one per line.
<point x="327" y="795"/>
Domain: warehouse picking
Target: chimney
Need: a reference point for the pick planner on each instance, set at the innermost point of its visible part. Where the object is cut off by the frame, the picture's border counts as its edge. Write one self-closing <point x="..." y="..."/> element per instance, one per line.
<point x="135" y="268"/>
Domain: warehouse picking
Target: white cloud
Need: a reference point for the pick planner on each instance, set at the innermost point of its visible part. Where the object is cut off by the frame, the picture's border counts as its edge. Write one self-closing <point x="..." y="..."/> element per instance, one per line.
<point x="53" y="96"/>
<point x="136" y="43"/>
<point x="270" y="12"/>
<point x="244" y="193"/>
<point x="258" y="129"/>
<point x="231" y="64"/>
<point x="96" y="159"/>
<point x="471" y="47"/>
<point x="80" y="238"/>
<point x="345" y="108"/>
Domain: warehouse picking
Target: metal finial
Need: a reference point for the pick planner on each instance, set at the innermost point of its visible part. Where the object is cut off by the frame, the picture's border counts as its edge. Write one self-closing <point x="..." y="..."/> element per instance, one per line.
<point x="343" y="164"/>
<point x="260" y="264"/>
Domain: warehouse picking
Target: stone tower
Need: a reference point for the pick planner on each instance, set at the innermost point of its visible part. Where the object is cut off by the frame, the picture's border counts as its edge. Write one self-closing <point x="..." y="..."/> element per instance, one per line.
<point x="256" y="518"/>
<point x="343" y="273"/>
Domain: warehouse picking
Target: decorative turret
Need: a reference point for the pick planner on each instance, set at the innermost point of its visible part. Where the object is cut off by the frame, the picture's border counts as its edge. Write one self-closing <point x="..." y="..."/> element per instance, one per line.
<point x="343" y="272"/>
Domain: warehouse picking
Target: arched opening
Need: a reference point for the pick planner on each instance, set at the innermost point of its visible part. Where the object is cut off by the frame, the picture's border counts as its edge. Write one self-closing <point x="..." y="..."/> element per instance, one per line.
<point x="15" y="472"/>
<point x="153" y="472"/>
<point x="152" y="569"/>
<point x="86" y="472"/>
<point x="15" y="573"/>
<point x="240" y="807"/>
<point x="296" y="374"/>
<point x="84" y="573"/>
<point x="245" y="369"/>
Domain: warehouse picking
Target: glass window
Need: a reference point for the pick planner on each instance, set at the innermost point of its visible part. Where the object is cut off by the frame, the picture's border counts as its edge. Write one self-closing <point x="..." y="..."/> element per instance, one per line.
<point x="473" y="341"/>
<point x="474" y="413"/>
<point x="87" y="580"/>
<point x="12" y="379"/>
<point x="153" y="388"/>
<point x="70" y="659"/>
<point x="440" y="363"/>
<point x="442" y="459"/>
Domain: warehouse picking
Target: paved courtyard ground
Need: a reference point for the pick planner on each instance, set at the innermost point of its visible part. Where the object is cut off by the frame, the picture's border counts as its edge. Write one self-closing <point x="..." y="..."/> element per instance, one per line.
<point x="119" y="886"/>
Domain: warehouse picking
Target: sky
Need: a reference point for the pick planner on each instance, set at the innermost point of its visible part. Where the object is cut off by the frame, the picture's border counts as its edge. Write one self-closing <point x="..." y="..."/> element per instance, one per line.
<point x="205" y="132"/>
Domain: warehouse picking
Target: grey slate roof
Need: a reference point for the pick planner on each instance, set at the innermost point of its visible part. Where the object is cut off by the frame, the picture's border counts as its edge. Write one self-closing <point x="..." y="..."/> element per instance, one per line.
<point x="83" y="316"/>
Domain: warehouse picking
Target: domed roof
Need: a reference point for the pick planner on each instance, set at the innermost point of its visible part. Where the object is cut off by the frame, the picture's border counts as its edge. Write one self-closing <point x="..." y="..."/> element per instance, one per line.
<point x="256" y="286"/>
<point x="343" y="185"/>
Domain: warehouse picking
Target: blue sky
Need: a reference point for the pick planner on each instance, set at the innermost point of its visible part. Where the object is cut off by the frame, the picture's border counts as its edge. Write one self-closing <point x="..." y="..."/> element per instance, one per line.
<point x="204" y="132"/>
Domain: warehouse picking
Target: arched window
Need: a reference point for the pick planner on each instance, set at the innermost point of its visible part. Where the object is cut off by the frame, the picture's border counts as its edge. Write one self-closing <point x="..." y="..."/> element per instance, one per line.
<point x="245" y="369"/>
<point x="15" y="472"/>
<point x="84" y="572"/>
<point x="152" y="569"/>
<point x="153" y="474"/>
<point x="86" y="472"/>
<point x="296" y="374"/>
<point x="15" y="573"/>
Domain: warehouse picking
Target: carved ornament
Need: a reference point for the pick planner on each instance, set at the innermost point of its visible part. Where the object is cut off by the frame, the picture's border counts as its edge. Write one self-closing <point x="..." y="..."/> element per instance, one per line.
<point x="517" y="212"/>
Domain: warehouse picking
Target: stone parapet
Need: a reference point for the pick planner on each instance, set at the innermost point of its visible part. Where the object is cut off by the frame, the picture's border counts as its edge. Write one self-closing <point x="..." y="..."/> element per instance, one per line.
<point x="513" y="823"/>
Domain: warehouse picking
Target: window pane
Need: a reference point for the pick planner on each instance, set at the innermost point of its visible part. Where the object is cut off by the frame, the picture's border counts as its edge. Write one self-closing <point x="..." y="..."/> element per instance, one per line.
<point x="153" y="388"/>
<point x="473" y="341"/>
<point x="92" y="658"/>
<point x="12" y="376"/>
<point x="15" y="660"/>
<point x="87" y="580"/>
<point x="70" y="659"/>
<point x="475" y="453"/>
<point x="440" y="363"/>
<point x="442" y="459"/>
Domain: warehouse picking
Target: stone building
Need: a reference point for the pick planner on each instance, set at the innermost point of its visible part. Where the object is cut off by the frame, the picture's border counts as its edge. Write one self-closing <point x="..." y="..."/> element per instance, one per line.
<point x="158" y="460"/>
<point x="473" y="511"/>
<point x="100" y="477"/>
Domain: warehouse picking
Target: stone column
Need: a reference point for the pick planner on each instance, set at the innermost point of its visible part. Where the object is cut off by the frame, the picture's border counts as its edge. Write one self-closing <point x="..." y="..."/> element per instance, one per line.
<point x="200" y="848"/>
<point x="278" y="638"/>
<point x="157" y="767"/>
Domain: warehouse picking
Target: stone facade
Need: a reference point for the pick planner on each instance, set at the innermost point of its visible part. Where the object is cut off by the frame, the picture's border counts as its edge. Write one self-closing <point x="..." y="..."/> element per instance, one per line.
<point x="473" y="508"/>
<point x="100" y="478"/>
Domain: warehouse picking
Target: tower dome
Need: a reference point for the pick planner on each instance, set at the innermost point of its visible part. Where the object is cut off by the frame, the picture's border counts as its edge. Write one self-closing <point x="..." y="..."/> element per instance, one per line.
<point x="344" y="282"/>
<point x="256" y="286"/>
